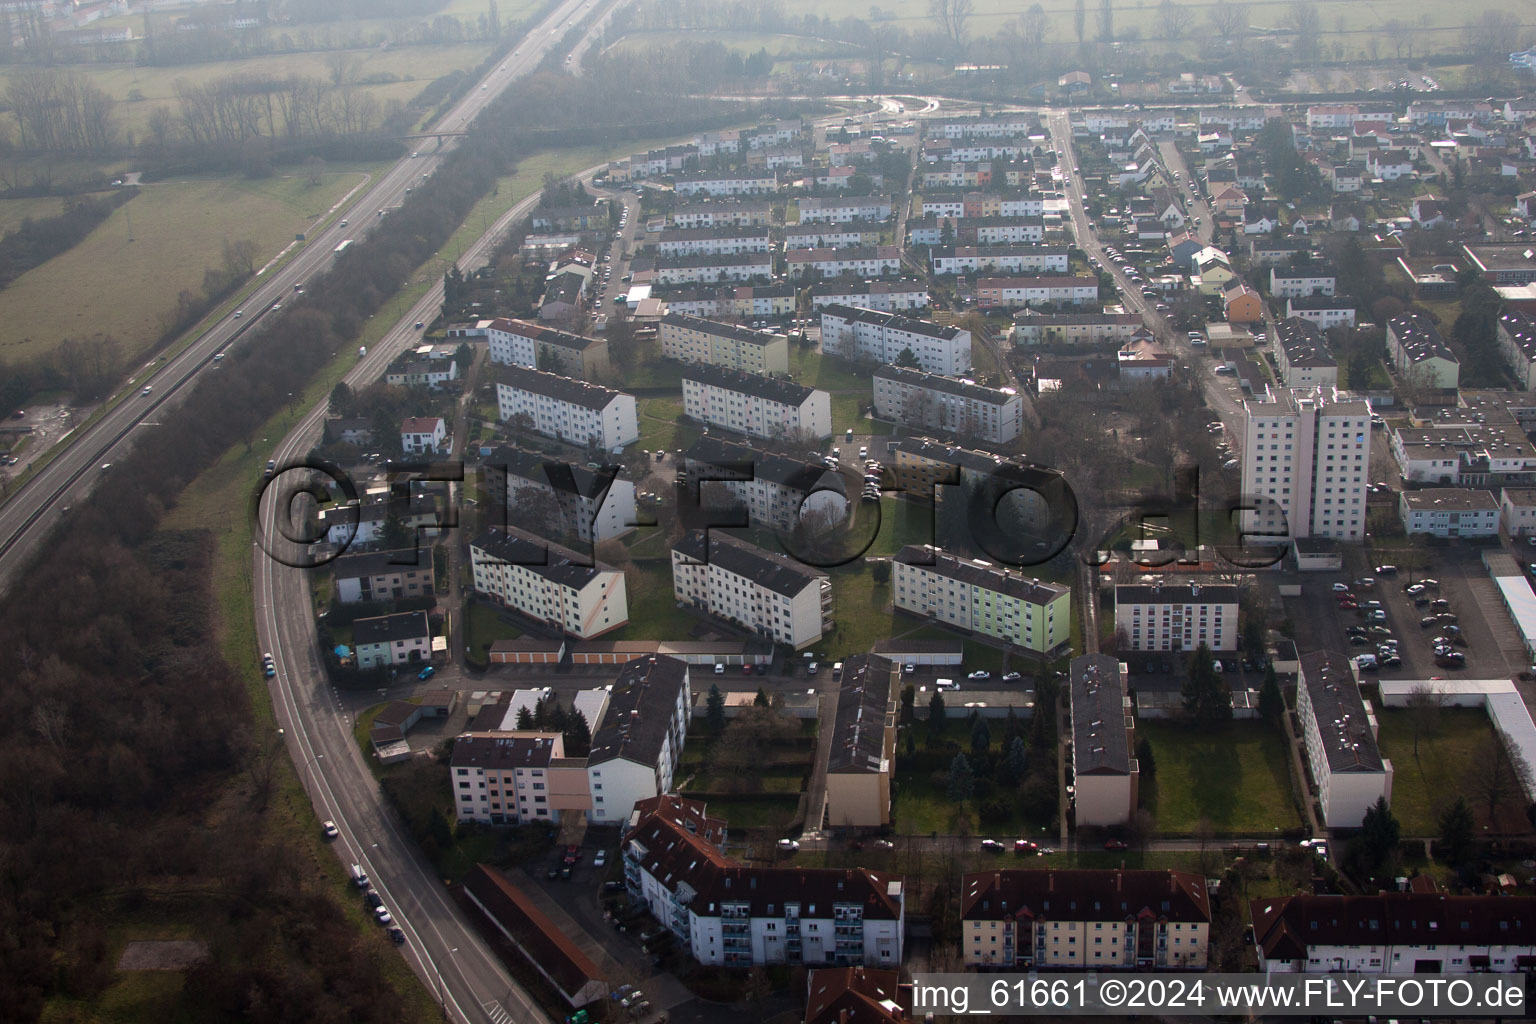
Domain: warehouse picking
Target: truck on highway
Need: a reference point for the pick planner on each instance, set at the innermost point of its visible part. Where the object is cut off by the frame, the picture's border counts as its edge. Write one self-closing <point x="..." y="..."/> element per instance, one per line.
<point x="343" y="247"/>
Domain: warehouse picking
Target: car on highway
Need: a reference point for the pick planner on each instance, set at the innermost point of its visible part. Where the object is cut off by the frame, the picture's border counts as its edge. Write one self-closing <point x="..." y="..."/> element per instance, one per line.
<point x="239" y="313"/>
<point x="329" y="830"/>
<point x="396" y="935"/>
<point x="1115" y="844"/>
<point x="148" y="388"/>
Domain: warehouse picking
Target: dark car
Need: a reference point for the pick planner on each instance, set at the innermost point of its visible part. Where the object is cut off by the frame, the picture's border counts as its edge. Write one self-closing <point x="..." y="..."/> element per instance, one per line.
<point x="396" y="935"/>
<point x="565" y="872"/>
<point x="613" y="887"/>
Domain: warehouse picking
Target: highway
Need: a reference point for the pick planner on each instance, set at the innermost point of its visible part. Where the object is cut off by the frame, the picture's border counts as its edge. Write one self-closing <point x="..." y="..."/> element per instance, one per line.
<point x="26" y="517"/>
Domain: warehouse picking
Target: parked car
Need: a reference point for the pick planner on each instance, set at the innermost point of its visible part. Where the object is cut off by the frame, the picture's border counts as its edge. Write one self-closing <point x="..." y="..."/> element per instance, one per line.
<point x="788" y="846"/>
<point x="1012" y="677"/>
<point x="329" y="829"/>
<point x="381" y="915"/>
<point x="1341" y="588"/>
<point x="426" y="673"/>
<point x="980" y="673"/>
<point x="991" y="846"/>
<point x="1115" y="844"/>
<point x="1024" y="846"/>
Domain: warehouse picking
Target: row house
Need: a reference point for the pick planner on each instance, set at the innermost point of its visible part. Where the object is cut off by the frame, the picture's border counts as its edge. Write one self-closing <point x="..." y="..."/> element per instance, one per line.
<point x="1238" y="119"/>
<point x="729" y="915"/>
<point x="746" y="301"/>
<point x="1085" y="919"/>
<point x="1435" y="113"/>
<point x="843" y="177"/>
<point x="536" y="347"/>
<point x="865" y="333"/>
<point x="549" y="583"/>
<point x="768" y="594"/>
<point x="845" y="154"/>
<point x="776" y="491"/>
<point x="712" y="241"/>
<point x="382" y="576"/>
<point x="938" y="230"/>
<point x="777" y="158"/>
<point x="740" y="213"/>
<point x="825" y="236"/>
<point x="675" y="270"/>
<point x="1007" y="259"/>
<point x="843" y="209"/>
<point x="692" y="339"/>
<point x="718" y="143"/>
<point x="1162" y="616"/>
<point x="980" y="597"/>
<point x="1408" y="933"/>
<point x="774" y="134"/>
<point x="995" y="126"/>
<point x="389" y="640"/>
<point x="1054" y="290"/>
<point x="957" y="175"/>
<point x="902" y="295"/>
<point x="726" y="183"/>
<point x="1032" y="328"/>
<point x="927" y="400"/>
<point x="860" y="261"/>
<point x="572" y="411"/>
<point x="593" y="506"/>
<point x="758" y="406"/>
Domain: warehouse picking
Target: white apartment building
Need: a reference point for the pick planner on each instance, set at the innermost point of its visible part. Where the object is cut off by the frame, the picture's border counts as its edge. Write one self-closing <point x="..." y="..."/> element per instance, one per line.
<point x="549" y="583"/>
<point x="1417" y="351"/>
<point x="881" y="296"/>
<point x="726" y="183"/>
<point x="1291" y="282"/>
<point x="726" y="914"/>
<point x="1324" y="311"/>
<point x="401" y="639"/>
<point x="1085" y="919"/>
<point x="592" y="506"/>
<point x="1339" y="731"/>
<point x="758" y="406"/>
<point x="843" y="209"/>
<point x="422" y="435"/>
<point x="1031" y="328"/>
<point x="775" y="490"/>
<point x="1307" y="452"/>
<point x="705" y="214"/>
<point x="1105" y="774"/>
<point x="768" y="594"/>
<point x="674" y="270"/>
<point x="1517" y="510"/>
<point x="999" y="259"/>
<point x="428" y="366"/>
<point x="1450" y="512"/>
<point x="636" y="747"/>
<point x="1517" y="343"/>
<point x="918" y="399"/>
<point x="977" y="596"/>
<point x="997" y="126"/>
<point x="867" y="333"/>
<point x="692" y="339"/>
<point x="829" y="236"/>
<point x="1394" y="933"/>
<point x="860" y="261"/>
<point x="1302" y="355"/>
<point x="569" y="410"/>
<point x="1176" y="616"/>
<point x="503" y="778"/>
<point x="712" y="241"/>
<point x="1045" y="290"/>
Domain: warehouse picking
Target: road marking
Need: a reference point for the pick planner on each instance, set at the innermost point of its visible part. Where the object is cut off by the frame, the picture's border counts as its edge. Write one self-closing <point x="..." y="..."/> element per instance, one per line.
<point x="494" y="1010"/>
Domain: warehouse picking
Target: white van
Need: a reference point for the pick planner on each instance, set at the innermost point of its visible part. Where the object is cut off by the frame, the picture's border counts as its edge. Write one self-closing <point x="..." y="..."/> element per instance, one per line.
<point x="359" y="876"/>
<point x="945" y="684"/>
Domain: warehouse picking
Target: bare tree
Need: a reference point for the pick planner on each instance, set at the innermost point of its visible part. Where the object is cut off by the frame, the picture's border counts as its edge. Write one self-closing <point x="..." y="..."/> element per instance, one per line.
<point x="1230" y="20"/>
<point x="951" y="16"/>
<point x="1106" y="21"/>
<point x="1080" y="21"/>
<point x="1307" y="25"/>
<point x="1424" y="705"/>
<point x="1496" y="773"/>
<point x="1176" y="19"/>
<point x="1494" y="32"/>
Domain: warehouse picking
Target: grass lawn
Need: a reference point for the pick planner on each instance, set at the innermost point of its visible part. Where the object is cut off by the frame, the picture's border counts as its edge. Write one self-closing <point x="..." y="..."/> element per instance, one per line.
<point x="901" y="523"/>
<point x="120" y="282"/>
<point x="1235" y="775"/>
<point x="659" y="426"/>
<point x="921" y="804"/>
<point x="14" y="211"/>
<point x="1423" y="786"/>
<point x="746" y="43"/>
<point x="653" y="611"/>
<point x="829" y="373"/>
<point x="483" y="626"/>
<point x="773" y="813"/>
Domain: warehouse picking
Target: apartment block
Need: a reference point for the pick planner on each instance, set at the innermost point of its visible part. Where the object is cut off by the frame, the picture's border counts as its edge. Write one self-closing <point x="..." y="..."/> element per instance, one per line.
<point x="523" y="343"/>
<point x="1306" y="457"/>
<point x="1302" y="355"/>
<point x="1164" y="616"/>
<point x="774" y="490"/>
<point x="758" y="406"/>
<point x="1085" y="919"/>
<point x="931" y="401"/>
<point x="727" y="914"/>
<point x="692" y="339"/>
<point x="507" y="778"/>
<point x="1517" y="343"/>
<point x="1106" y="776"/>
<point x="868" y="334"/>
<point x="1339" y="732"/>
<point x="1449" y="512"/>
<point x="593" y="507"/>
<point x="765" y="593"/>
<point x="1420" y="354"/>
<point x="1325" y="311"/>
<point x="549" y="583"/>
<point x="382" y="576"/>
<point x="976" y="596"/>
<point x="863" y="757"/>
<point x="572" y="411"/>
<point x="637" y="745"/>
<point x="1294" y="281"/>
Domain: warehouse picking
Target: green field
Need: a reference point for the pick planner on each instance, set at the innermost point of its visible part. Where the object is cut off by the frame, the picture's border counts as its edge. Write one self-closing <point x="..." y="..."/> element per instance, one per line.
<point x="127" y="273"/>
<point x="14" y="211"/>
<point x="1233" y="775"/>
<point x="1423" y="786"/>
<point x="744" y="42"/>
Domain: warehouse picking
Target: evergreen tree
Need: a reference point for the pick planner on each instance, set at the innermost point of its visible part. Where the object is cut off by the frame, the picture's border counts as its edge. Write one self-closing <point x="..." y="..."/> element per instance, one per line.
<point x="1146" y="764"/>
<point x="761" y="700"/>
<point x="578" y="735"/>
<point x="936" y="716"/>
<point x="981" y="736"/>
<point x="962" y="782"/>
<point x="524" y="718"/>
<point x="906" y="357"/>
<point x="1379" y="832"/>
<point x="908" y="704"/>
<point x="1206" y="696"/>
<point x="1015" y="762"/>
<point x="714" y="715"/>
<point x="1271" y="702"/>
<point x="1456" y="826"/>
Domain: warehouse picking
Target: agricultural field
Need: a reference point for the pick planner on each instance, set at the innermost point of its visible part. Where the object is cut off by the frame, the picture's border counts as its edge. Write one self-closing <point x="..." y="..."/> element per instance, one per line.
<point x="780" y="47"/>
<point x="126" y="275"/>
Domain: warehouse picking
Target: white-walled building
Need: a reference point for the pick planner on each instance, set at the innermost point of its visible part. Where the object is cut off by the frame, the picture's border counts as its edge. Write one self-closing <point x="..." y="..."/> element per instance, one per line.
<point x="881" y="296"/>
<point x="1302" y="355"/>
<point x="776" y="490"/>
<point x="708" y="213"/>
<point x="1308" y="453"/>
<point x="1394" y="933"/>
<point x="383" y="575"/>
<point x="678" y="270"/>
<point x="1000" y="259"/>
<point x="1449" y="512"/>
<point x="692" y="339"/>
<point x="401" y="639"/>
<point x="503" y="778"/>
<point x="713" y="241"/>
<point x="980" y="597"/>
<point x="569" y="410"/>
<point x="929" y="400"/>
<point x="1324" y="311"/>
<point x="866" y="333"/>
<point x="858" y="261"/>
<point x="1176" y="616"/>
<point x="1517" y="510"/>
<point x="549" y="583"/>
<point x="818" y="235"/>
<point x="1031" y="328"/>
<point x="1043" y="290"/>
<point x="593" y="507"/>
<point x="758" y="406"/>
<point x="1517" y="343"/>
<point x="636" y="746"/>
<point x="1417" y="350"/>
<point x="726" y="183"/>
<point x="843" y="209"/>
<point x="1292" y="281"/>
<point x="766" y="593"/>
<point x="522" y="343"/>
<point x="726" y="914"/>
<point x="1085" y="918"/>
<point x="1105" y="773"/>
<point x="1339" y="732"/>
<point x="422" y="435"/>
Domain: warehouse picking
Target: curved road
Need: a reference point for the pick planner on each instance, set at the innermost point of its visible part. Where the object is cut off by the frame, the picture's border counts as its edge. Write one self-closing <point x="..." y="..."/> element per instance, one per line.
<point x="27" y="515"/>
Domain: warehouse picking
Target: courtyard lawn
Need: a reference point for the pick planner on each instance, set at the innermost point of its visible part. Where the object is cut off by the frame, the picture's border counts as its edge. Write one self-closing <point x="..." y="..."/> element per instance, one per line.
<point x="829" y="373"/>
<point x="1234" y="775"/>
<point x="921" y="804"/>
<point x="659" y="426"/>
<point x="483" y="626"/>
<point x="653" y="611"/>
<point x="1423" y="786"/>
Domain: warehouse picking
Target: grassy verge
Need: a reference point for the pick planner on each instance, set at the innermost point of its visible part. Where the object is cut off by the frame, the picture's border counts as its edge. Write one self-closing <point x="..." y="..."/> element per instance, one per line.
<point x="1233" y="775"/>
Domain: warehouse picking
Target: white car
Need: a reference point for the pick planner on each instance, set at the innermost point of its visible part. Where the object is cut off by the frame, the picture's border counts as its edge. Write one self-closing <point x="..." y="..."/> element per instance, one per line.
<point x="980" y="673"/>
<point x="381" y="915"/>
<point x="330" y="830"/>
<point x="601" y="859"/>
<point x="788" y="846"/>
